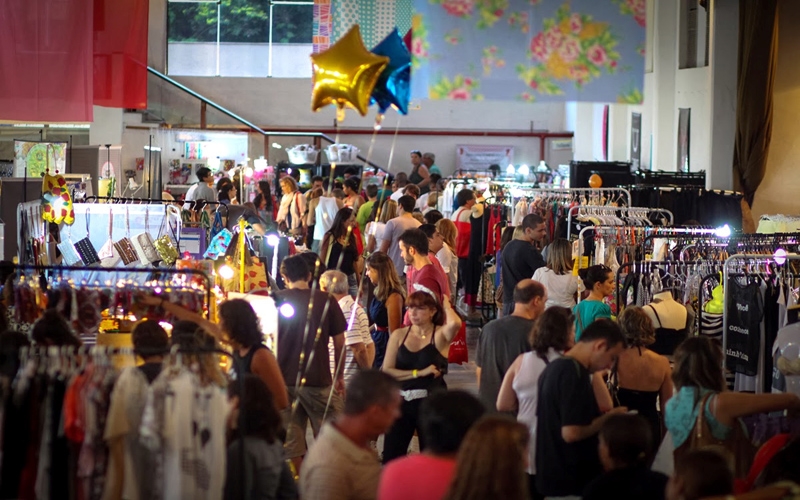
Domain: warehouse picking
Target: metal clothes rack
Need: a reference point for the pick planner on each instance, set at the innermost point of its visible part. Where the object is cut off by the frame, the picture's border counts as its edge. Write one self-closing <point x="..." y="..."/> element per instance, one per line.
<point x="61" y="351"/>
<point x="588" y="192"/>
<point x="745" y="259"/>
<point x="667" y="265"/>
<point x="611" y="210"/>
<point x="207" y="282"/>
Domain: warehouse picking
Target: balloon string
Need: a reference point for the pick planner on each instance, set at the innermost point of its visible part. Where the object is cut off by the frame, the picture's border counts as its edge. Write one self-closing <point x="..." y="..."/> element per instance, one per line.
<point x="369" y="156"/>
<point x="336" y="144"/>
<point x="388" y="169"/>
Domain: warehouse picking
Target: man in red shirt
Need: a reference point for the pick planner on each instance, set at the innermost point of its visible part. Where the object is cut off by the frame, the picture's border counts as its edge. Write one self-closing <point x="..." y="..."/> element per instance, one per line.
<point x="422" y="272"/>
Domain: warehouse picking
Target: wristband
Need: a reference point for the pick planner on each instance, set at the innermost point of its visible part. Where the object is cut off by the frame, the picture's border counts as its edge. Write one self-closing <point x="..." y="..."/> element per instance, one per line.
<point x="414" y="373"/>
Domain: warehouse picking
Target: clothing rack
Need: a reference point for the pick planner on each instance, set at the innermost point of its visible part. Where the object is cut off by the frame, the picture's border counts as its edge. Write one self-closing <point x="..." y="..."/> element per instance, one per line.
<point x="671" y="267"/>
<point x="747" y="259"/>
<point x="611" y="210"/>
<point x="592" y="193"/>
<point x="62" y="357"/>
<point x="129" y="200"/>
<point x="155" y="272"/>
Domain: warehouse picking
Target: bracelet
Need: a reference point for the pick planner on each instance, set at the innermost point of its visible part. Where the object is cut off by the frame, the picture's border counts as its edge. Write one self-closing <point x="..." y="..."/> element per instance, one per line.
<point x="414" y="373"/>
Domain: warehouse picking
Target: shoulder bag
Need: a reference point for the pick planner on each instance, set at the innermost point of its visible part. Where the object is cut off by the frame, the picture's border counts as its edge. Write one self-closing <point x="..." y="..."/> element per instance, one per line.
<point x="736" y="448"/>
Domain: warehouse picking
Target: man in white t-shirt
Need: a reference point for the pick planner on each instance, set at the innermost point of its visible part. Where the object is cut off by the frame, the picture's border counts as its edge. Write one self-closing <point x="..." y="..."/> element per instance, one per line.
<point x="202" y="189"/>
<point x="396" y="227"/>
<point x="360" y="348"/>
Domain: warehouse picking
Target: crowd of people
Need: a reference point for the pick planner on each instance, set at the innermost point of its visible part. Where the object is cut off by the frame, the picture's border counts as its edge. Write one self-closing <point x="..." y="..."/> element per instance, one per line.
<point x="571" y="402"/>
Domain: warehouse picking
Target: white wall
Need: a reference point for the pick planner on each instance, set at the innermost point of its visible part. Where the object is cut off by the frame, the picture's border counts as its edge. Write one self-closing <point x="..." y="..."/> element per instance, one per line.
<point x="778" y="192"/>
<point x="282" y="103"/>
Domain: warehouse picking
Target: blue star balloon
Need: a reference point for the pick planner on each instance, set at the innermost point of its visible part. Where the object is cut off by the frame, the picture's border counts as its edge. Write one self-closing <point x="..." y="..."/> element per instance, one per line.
<point x="394" y="83"/>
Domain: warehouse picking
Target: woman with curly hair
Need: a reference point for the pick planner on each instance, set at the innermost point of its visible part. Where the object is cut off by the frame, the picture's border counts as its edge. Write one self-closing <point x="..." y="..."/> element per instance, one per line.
<point x="640" y="377"/>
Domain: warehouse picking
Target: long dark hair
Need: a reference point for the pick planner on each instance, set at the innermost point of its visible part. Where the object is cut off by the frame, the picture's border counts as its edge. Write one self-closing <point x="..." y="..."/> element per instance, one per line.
<point x="264" y="194"/>
<point x="552" y="330"/>
<point x="256" y="407"/>
<point x="388" y="282"/>
<point x="698" y="363"/>
<point x="241" y="322"/>
<point x="339" y="227"/>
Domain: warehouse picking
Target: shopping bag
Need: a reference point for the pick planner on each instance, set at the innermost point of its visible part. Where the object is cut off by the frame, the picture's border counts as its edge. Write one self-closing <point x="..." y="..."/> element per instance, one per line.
<point x="458" y="348"/>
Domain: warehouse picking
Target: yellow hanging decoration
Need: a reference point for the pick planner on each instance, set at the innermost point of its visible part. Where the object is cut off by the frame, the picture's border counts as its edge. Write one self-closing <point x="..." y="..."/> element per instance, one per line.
<point x="56" y="200"/>
<point x="345" y="74"/>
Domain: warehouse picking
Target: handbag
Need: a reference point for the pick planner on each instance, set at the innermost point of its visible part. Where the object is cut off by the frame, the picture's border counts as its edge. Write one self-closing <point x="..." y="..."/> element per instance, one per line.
<point x="85" y="248"/>
<point x="216" y="226"/>
<point x="109" y="256"/>
<point x="736" y="448"/>
<point x="143" y="242"/>
<point x="124" y="246"/>
<point x="255" y="272"/>
<point x="69" y="256"/>
<point x="164" y="247"/>
<point x="218" y="245"/>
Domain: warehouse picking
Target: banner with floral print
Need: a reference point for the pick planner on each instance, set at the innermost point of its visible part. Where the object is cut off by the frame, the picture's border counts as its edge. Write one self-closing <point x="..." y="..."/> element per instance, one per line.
<point x="529" y="50"/>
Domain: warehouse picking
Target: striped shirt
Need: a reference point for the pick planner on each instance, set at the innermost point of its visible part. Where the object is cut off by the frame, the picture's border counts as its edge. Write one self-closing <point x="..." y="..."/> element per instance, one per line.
<point x="357" y="332"/>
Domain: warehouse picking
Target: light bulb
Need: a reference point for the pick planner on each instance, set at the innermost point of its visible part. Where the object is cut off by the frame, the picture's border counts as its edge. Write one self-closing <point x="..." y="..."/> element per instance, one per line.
<point x="273" y="240"/>
<point x="286" y="310"/>
<point x="248" y="172"/>
<point x="780" y="256"/>
<point x="225" y="272"/>
<point x="723" y="232"/>
<point x="524" y="170"/>
<point x="510" y="170"/>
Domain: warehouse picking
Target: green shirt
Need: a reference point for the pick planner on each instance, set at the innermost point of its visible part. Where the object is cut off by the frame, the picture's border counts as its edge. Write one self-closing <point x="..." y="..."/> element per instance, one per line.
<point x="363" y="215"/>
<point x="586" y="312"/>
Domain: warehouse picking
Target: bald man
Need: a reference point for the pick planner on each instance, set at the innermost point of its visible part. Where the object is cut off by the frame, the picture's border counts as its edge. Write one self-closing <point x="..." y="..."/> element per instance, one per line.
<point x="502" y="340"/>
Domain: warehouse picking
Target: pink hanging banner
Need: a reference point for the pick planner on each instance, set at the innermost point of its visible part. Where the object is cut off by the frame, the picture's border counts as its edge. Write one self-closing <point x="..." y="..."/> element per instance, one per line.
<point x="46" y="60"/>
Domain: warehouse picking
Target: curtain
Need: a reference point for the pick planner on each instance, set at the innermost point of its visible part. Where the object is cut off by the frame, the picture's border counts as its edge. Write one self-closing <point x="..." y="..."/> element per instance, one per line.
<point x="120" y="53"/>
<point x="46" y="60"/>
<point x="758" y="53"/>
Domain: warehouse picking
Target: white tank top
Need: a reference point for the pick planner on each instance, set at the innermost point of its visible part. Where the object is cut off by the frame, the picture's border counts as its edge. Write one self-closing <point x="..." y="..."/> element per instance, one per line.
<point x="526" y="386"/>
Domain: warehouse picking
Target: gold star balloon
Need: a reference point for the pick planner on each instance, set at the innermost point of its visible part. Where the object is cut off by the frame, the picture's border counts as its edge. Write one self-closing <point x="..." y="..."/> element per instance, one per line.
<point x="345" y="74"/>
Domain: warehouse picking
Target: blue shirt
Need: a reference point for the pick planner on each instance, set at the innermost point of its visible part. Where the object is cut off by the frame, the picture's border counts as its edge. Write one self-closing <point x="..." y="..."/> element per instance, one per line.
<point x="586" y="312"/>
<point x="680" y="415"/>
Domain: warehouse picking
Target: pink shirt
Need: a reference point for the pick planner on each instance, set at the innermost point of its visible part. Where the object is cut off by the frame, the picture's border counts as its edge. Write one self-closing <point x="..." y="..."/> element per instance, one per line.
<point x="421" y="477"/>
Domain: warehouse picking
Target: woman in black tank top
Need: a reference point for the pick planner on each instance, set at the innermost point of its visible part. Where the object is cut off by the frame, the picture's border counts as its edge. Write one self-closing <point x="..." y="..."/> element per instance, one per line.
<point x="416" y="355"/>
<point x="238" y="326"/>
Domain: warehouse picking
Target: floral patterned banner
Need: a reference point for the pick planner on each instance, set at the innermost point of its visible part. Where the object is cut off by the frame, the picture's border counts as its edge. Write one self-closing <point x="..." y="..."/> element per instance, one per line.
<point x="529" y="50"/>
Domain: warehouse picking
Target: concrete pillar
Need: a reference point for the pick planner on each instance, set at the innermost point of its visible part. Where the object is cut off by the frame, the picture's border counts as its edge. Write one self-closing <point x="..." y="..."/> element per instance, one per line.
<point x="157" y="35"/>
<point x="665" y="67"/>
<point x="723" y="62"/>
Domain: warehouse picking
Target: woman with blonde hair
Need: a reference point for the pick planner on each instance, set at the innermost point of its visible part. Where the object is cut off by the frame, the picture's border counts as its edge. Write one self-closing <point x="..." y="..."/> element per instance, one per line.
<point x="292" y="208"/>
<point x="557" y="277"/>
<point x="641" y="378"/>
<point x="491" y="461"/>
<point x="374" y="231"/>
<point x="447" y="229"/>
